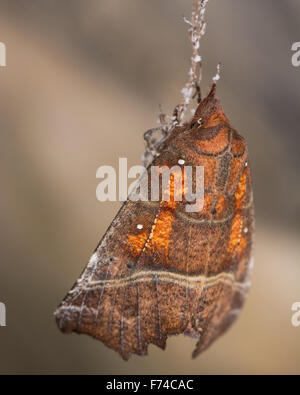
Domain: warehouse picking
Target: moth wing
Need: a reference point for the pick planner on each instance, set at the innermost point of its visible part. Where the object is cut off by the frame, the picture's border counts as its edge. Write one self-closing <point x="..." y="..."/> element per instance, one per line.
<point x="222" y="301"/>
<point x="159" y="270"/>
<point x="121" y="298"/>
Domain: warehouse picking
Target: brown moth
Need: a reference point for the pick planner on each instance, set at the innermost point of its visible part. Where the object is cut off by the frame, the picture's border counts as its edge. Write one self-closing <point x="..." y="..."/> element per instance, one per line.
<point x="160" y="270"/>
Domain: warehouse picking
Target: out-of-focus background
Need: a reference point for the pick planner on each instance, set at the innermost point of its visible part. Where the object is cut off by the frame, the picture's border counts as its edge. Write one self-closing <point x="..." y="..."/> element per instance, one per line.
<point x="82" y="84"/>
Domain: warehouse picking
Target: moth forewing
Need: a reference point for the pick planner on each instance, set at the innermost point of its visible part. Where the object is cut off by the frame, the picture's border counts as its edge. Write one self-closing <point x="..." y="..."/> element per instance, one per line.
<point x="160" y="269"/>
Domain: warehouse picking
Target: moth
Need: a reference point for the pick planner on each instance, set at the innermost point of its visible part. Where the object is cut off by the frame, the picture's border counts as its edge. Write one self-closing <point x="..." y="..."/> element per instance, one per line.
<point x="160" y="270"/>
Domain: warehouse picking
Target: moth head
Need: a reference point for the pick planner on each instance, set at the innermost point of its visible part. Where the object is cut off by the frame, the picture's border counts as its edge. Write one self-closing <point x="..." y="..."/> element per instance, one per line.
<point x="211" y="130"/>
<point x="209" y="112"/>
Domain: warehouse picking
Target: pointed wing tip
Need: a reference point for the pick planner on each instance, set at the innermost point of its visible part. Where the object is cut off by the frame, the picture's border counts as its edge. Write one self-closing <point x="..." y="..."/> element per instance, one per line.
<point x="198" y="349"/>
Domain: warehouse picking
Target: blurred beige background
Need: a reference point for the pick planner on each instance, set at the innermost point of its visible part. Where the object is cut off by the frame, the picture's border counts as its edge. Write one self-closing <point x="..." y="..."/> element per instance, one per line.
<point x="83" y="82"/>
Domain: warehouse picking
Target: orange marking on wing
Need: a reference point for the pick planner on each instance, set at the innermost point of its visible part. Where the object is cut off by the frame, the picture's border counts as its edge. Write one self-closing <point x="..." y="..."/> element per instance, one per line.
<point x="162" y="228"/>
<point x="220" y="206"/>
<point x="137" y="242"/>
<point x="242" y="246"/>
<point x="159" y="238"/>
<point x="240" y="193"/>
<point x="235" y="234"/>
<point x="236" y="243"/>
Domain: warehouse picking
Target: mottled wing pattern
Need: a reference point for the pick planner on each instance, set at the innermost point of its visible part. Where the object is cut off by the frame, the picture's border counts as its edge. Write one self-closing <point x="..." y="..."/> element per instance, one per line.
<point x="160" y="270"/>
